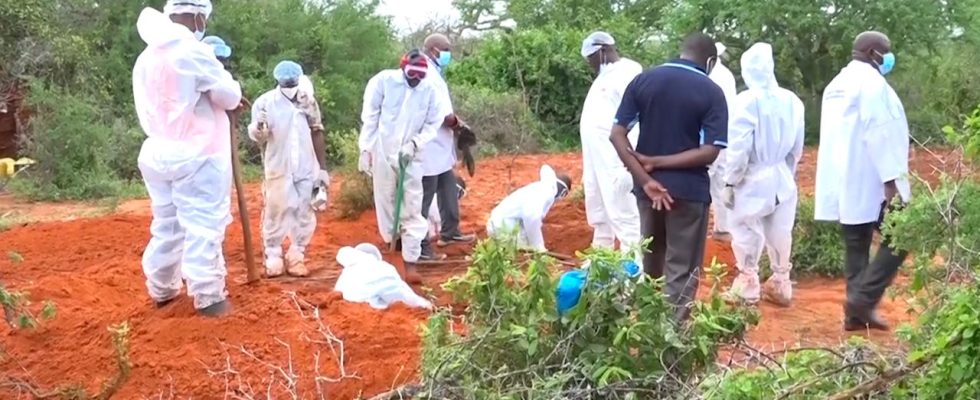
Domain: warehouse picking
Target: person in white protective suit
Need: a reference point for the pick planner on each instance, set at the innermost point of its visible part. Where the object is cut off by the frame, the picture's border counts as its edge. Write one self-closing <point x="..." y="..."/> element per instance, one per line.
<point x="765" y="144"/>
<point x="182" y="95"/>
<point x="367" y="278"/>
<point x="400" y="116"/>
<point x="610" y="206"/>
<point x="522" y="213"/>
<point x="724" y="78"/>
<point x="287" y="125"/>
<point x="862" y="171"/>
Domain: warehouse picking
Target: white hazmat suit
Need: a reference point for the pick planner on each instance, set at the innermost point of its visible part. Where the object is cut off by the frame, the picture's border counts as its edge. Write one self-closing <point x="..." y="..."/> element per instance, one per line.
<point x="367" y="278"/>
<point x="522" y="212"/>
<point x="396" y="115"/>
<point x="765" y="144"/>
<point x="724" y="78"/>
<point x="182" y="93"/>
<point x="291" y="171"/>
<point x="610" y="207"/>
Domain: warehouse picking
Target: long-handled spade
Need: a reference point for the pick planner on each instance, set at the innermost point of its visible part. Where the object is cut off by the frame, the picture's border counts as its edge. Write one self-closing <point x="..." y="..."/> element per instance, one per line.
<point x="254" y="274"/>
<point x="399" y="197"/>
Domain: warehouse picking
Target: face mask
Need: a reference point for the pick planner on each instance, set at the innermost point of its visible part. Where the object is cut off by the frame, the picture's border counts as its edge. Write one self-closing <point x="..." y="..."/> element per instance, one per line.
<point x="290" y="93"/>
<point x="199" y="34"/>
<point x="445" y="58"/>
<point x="887" y="63"/>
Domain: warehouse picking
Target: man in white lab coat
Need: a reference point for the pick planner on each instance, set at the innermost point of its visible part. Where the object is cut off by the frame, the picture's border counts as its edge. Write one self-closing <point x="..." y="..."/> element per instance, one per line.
<point x="765" y="144"/>
<point x="610" y="206"/>
<point x="722" y="76"/>
<point x="522" y="213"/>
<point x="182" y="94"/>
<point x="439" y="156"/>
<point x="862" y="169"/>
<point x="401" y="115"/>
<point x="287" y="125"/>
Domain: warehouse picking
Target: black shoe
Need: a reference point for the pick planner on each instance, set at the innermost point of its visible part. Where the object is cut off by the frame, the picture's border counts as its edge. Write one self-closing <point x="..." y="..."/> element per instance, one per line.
<point x="862" y="318"/>
<point x="429" y="255"/>
<point x="457" y="238"/>
<point x="162" y="304"/>
<point x="216" y="310"/>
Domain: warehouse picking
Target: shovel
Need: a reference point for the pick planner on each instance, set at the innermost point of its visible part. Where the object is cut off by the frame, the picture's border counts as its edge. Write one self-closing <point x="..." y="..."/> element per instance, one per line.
<point x="254" y="274"/>
<point x="399" y="196"/>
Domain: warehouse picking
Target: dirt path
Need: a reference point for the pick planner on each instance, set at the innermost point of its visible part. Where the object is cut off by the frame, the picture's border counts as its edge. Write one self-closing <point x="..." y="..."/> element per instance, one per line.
<point x="91" y="269"/>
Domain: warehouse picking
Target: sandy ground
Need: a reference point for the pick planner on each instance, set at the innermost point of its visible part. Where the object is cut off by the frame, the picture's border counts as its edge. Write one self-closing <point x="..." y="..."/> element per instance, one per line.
<point x="90" y="267"/>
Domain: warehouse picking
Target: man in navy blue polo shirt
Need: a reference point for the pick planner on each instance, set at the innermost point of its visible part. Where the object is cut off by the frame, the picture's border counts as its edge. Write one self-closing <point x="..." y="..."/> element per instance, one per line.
<point x="683" y="120"/>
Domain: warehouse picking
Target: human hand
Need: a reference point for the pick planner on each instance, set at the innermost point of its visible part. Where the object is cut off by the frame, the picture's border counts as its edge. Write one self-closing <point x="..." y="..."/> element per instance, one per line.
<point x="323" y="178"/>
<point x="243" y="105"/>
<point x="262" y="132"/>
<point x="728" y="197"/>
<point x="407" y="152"/>
<point x="658" y="195"/>
<point x="647" y="162"/>
<point x="364" y="162"/>
<point x="891" y="190"/>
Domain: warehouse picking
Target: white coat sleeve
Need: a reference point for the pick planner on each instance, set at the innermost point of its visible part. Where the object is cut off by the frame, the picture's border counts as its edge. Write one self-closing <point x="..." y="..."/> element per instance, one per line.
<point x="532" y="222"/>
<point x="371" y="113"/>
<point x="793" y="159"/>
<point x="885" y="136"/>
<point x="211" y="77"/>
<point x="438" y="109"/>
<point x="257" y="108"/>
<point x="740" y="139"/>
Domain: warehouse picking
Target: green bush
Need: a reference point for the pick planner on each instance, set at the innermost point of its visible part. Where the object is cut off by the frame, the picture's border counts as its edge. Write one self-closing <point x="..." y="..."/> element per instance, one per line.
<point x="621" y="338"/>
<point x="356" y="195"/>
<point x="73" y="147"/>
<point x="342" y="149"/>
<point x="818" y="247"/>
<point x="502" y="122"/>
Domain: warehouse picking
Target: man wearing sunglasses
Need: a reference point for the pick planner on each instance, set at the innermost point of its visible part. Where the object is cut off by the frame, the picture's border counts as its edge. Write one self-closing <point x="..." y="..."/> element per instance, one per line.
<point x="522" y="213"/>
<point x="401" y="114"/>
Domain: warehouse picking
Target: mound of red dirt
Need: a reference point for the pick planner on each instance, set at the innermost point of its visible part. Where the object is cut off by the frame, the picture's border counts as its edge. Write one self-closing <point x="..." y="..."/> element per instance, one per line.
<point x="91" y="269"/>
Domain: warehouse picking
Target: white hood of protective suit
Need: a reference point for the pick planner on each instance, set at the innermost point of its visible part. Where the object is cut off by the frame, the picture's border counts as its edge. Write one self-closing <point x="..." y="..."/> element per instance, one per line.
<point x="156" y="29"/>
<point x="758" y="67"/>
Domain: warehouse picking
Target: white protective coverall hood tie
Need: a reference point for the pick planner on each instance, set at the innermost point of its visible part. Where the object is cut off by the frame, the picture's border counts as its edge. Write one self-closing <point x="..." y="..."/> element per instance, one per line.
<point x="181" y="93"/>
<point x="367" y="278"/>
<point x="522" y="213"/>
<point x="395" y="115"/>
<point x="864" y="142"/>
<point x="724" y="78"/>
<point x="610" y="206"/>
<point x="764" y="148"/>
<point x="291" y="169"/>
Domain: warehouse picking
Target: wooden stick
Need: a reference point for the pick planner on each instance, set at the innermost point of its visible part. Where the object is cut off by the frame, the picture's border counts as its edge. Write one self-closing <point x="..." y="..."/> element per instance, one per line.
<point x="254" y="274"/>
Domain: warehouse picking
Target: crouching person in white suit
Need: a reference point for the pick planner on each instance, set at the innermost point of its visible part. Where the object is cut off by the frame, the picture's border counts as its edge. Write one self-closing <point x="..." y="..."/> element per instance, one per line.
<point x="367" y="278"/>
<point x="522" y="212"/>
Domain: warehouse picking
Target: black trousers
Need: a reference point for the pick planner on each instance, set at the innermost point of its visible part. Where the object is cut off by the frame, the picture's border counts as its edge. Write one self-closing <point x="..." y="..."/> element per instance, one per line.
<point x="677" y="250"/>
<point x="443" y="186"/>
<point x="867" y="279"/>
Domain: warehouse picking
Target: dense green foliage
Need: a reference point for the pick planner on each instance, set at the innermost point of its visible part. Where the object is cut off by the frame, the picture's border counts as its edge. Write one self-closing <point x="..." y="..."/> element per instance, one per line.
<point x="621" y="337"/>
<point x="818" y="248"/>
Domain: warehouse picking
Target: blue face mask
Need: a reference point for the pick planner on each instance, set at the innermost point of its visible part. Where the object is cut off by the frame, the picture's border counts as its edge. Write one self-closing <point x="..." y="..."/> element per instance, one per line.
<point x="887" y="63"/>
<point x="445" y="58"/>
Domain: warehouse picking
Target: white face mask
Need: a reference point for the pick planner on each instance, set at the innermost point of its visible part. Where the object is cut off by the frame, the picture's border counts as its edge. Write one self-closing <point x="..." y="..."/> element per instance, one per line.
<point x="290" y="93"/>
<point x="199" y="34"/>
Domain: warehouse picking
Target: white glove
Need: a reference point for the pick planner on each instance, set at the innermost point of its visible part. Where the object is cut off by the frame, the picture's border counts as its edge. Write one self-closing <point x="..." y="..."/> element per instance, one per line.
<point x="728" y="197"/>
<point x="364" y="162"/>
<point x="262" y="127"/>
<point x="408" y="151"/>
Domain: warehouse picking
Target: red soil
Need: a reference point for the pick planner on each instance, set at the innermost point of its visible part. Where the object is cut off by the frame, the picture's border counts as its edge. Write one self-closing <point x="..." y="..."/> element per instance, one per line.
<point x="91" y="269"/>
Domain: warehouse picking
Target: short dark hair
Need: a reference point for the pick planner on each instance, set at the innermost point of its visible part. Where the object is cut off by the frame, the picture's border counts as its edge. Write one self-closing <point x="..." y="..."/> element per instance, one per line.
<point x="699" y="47"/>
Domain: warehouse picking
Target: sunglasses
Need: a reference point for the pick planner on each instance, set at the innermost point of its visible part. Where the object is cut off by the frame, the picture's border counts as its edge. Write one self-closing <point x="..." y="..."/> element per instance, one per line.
<point x="415" y="71"/>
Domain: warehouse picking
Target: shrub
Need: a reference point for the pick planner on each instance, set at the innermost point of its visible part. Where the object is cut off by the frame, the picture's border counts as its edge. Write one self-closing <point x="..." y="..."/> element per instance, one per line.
<point x="342" y="149"/>
<point x="621" y="338"/>
<point x="503" y="124"/>
<point x="818" y="247"/>
<point x="72" y="145"/>
<point x="356" y="195"/>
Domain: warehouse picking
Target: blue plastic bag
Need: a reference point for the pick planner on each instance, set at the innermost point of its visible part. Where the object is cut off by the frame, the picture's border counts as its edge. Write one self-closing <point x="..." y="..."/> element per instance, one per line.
<point x="571" y="283"/>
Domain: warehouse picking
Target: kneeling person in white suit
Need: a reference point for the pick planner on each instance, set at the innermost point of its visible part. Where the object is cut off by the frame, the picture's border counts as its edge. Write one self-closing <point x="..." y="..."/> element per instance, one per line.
<point x="286" y="123"/>
<point x="765" y="144"/>
<point x="523" y="211"/>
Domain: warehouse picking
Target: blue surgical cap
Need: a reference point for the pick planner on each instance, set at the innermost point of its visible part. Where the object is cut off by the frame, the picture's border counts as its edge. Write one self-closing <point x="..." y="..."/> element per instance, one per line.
<point x="287" y="71"/>
<point x="221" y="50"/>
